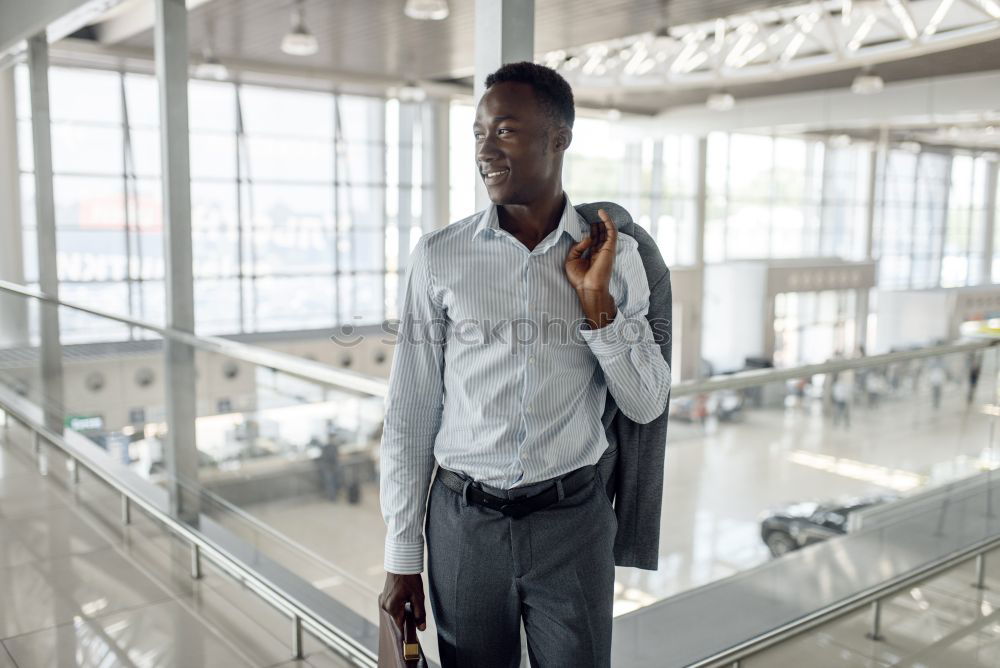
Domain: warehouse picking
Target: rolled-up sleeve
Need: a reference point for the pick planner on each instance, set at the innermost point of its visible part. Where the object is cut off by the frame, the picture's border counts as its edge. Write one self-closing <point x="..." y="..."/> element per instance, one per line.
<point x="412" y="417"/>
<point x="638" y="376"/>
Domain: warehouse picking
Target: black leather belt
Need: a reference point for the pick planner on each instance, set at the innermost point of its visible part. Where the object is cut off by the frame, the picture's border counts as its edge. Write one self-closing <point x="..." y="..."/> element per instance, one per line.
<point x="517" y="508"/>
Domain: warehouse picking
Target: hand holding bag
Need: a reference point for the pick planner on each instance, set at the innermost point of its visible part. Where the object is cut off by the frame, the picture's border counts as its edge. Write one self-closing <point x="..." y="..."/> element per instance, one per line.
<point x="399" y="649"/>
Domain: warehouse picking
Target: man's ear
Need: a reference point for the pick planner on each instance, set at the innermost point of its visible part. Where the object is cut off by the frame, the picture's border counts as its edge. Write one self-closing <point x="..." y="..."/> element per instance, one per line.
<point x="562" y="138"/>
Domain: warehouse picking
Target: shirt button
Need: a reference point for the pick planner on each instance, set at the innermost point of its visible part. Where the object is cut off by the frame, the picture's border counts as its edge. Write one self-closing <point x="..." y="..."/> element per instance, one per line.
<point x="531" y="359"/>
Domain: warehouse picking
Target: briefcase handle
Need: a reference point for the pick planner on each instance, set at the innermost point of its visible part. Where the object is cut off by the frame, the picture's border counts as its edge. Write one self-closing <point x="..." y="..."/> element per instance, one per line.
<point x="411" y="646"/>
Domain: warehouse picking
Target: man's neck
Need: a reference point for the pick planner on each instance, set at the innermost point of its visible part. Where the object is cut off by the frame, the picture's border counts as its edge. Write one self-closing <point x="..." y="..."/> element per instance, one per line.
<point x="535" y="221"/>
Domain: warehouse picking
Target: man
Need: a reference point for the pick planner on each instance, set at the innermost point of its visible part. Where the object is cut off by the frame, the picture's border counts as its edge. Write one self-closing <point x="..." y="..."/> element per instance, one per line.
<point x="519" y="526"/>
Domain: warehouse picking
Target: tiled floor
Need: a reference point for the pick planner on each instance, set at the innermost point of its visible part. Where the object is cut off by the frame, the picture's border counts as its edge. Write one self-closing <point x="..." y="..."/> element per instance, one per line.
<point x="77" y="589"/>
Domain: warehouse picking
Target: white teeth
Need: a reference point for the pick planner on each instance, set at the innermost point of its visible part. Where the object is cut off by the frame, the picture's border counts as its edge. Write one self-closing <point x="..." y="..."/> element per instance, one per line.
<point x="503" y="171"/>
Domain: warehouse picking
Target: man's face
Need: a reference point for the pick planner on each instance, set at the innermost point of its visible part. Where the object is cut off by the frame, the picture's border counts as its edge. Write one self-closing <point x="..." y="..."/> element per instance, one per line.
<point x="519" y="148"/>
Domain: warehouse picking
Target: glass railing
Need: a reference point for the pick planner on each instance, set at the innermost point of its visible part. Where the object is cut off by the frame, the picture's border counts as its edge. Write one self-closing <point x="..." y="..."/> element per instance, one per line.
<point x="279" y="455"/>
<point x="806" y="496"/>
<point x="745" y="456"/>
<point x="761" y="464"/>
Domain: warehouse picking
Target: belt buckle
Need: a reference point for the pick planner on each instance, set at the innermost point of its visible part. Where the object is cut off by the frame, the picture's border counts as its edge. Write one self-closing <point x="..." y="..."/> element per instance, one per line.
<point x="513" y="510"/>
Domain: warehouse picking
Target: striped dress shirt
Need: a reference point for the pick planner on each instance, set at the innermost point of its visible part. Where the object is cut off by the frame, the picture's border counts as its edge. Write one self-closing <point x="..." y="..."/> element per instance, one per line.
<point x="495" y="373"/>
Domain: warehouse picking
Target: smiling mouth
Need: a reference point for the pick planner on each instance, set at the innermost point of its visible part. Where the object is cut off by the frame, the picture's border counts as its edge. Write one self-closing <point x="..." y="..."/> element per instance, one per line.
<point x="495" y="177"/>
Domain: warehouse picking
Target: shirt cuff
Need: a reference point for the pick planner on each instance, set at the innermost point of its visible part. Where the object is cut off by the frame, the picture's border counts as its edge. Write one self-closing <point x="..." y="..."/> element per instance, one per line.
<point x="609" y="340"/>
<point x="403" y="558"/>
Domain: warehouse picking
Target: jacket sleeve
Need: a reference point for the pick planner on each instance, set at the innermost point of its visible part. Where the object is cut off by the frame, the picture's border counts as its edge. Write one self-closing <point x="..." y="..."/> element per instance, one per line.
<point x="638" y="376"/>
<point x="412" y="417"/>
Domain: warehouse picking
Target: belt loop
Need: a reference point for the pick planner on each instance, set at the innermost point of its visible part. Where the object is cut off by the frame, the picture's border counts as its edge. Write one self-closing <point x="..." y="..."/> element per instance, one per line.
<point x="465" y="492"/>
<point x="560" y="494"/>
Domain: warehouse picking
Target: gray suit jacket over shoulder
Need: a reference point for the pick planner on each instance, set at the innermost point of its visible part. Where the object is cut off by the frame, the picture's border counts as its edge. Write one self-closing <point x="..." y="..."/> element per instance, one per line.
<point x="641" y="447"/>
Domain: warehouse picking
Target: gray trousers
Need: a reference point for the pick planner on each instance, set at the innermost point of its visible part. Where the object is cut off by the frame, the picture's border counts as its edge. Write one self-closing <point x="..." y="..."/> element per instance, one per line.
<point x="553" y="568"/>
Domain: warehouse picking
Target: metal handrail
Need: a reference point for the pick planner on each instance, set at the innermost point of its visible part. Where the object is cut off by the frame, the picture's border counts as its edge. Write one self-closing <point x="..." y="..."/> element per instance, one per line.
<point x="755" y="377"/>
<point x="291" y="364"/>
<point x="302" y="614"/>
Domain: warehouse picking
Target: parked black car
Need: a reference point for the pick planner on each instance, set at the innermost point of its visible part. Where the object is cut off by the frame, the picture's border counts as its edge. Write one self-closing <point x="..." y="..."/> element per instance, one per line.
<point x="799" y="524"/>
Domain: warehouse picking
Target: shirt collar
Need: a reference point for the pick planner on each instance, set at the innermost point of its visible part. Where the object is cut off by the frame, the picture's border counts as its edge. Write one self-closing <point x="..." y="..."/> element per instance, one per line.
<point x="571" y="222"/>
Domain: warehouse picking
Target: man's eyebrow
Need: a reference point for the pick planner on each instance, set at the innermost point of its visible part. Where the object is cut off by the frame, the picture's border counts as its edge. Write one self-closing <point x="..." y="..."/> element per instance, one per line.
<point x="497" y="119"/>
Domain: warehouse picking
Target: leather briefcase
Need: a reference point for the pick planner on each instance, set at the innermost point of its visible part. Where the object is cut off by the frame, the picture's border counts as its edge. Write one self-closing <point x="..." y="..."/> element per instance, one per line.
<point x="399" y="649"/>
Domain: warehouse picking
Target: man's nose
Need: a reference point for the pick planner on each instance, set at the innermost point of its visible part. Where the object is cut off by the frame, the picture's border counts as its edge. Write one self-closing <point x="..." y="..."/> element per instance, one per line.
<point x="487" y="149"/>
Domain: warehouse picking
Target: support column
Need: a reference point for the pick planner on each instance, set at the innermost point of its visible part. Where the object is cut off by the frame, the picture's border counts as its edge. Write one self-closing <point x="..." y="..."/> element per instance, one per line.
<point x="180" y="448"/>
<point x="873" y="164"/>
<point x="876" y="156"/>
<point x="691" y="360"/>
<point x="404" y="218"/>
<point x="437" y="164"/>
<point x="504" y="33"/>
<point x="656" y="195"/>
<point x="13" y="309"/>
<point x="986" y="271"/>
<point x="45" y="222"/>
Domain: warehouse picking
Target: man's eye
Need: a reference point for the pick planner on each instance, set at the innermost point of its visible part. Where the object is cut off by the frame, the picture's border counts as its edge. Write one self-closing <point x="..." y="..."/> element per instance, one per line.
<point x="503" y="130"/>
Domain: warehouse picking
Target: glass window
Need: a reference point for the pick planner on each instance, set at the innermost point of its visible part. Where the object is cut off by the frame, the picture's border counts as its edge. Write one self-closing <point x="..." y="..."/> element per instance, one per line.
<point x="217" y="306"/>
<point x="286" y="159"/>
<point x="214" y="230"/>
<point x="284" y="303"/>
<point x="89" y="202"/>
<point x="213" y="155"/>
<point x="88" y="96"/>
<point x="270" y="111"/>
<point x="462" y="162"/>
<point x="764" y="196"/>
<point x="361" y="298"/>
<point x="143" y="97"/>
<point x="86" y="149"/>
<point x="109" y="199"/>
<point x="211" y="106"/>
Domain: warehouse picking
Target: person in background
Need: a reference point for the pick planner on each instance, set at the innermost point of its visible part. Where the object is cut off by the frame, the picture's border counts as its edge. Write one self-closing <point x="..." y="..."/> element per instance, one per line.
<point x="975" y="366"/>
<point x="842" y="399"/>
<point x="936" y="376"/>
<point x="329" y="467"/>
<point x="874" y="387"/>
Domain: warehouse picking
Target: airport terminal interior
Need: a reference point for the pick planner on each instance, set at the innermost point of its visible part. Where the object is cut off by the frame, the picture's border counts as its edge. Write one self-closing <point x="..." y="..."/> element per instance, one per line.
<point x="207" y="214"/>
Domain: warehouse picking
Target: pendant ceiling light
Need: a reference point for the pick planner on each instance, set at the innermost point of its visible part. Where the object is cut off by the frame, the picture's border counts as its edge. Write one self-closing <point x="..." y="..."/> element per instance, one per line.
<point x="210" y="67"/>
<point x="299" y="41"/>
<point x="720" y="102"/>
<point x="867" y="83"/>
<point x="427" y="10"/>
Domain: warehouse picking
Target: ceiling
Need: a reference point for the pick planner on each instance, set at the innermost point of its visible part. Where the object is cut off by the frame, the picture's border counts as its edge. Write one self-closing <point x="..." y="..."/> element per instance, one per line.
<point x="975" y="58"/>
<point x="374" y="38"/>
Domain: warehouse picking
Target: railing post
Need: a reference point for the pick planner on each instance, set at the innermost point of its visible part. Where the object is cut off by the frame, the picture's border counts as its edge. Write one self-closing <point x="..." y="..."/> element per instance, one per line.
<point x="876" y="621"/>
<point x="126" y="510"/>
<point x="297" y="652"/>
<point x="40" y="460"/>
<point x="195" y="561"/>
<point x="980" y="582"/>
<point x="37" y="443"/>
<point x="74" y="470"/>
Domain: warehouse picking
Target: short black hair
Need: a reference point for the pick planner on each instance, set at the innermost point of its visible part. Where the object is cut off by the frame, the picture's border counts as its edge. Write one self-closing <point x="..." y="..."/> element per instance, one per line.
<point x="551" y="90"/>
